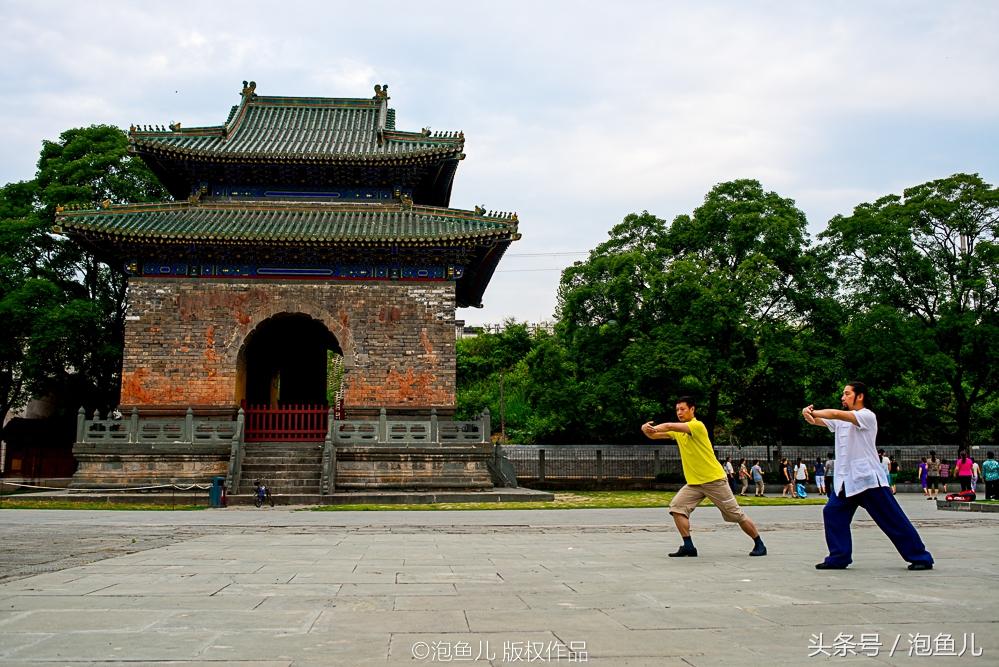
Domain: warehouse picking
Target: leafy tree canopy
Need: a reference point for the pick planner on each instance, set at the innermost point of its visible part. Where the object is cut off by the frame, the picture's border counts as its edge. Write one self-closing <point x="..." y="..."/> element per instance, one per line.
<point x="921" y="271"/>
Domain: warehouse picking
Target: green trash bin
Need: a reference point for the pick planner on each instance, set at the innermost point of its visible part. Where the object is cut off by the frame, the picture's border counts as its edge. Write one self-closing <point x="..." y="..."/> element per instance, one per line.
<point x="216" y="493"/>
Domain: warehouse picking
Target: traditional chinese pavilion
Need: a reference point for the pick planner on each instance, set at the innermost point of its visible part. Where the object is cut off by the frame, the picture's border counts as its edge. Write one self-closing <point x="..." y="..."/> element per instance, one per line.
<point x="311" y="256"/>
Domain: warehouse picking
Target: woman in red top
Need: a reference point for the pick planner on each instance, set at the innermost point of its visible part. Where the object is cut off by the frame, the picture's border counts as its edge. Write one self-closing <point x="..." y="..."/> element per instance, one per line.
<point x="962" y="470"/>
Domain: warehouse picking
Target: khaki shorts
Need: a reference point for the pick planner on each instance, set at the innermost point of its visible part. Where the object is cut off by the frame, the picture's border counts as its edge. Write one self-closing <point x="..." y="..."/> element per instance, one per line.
<point x="720" y="493"/>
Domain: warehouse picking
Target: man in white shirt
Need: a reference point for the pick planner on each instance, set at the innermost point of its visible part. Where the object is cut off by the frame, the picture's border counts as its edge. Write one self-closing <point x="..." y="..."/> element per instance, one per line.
<point x="859" y="480"/>
<point x="729" y="472"/>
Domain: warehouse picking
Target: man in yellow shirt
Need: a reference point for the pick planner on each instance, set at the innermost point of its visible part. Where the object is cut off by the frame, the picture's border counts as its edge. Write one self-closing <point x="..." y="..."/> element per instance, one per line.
<point x="704" y="475"/>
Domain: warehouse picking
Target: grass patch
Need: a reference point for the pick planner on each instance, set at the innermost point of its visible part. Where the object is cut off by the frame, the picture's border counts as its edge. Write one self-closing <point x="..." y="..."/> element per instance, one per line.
<point x="570" y="501"/>
<point x="9" y="503"/>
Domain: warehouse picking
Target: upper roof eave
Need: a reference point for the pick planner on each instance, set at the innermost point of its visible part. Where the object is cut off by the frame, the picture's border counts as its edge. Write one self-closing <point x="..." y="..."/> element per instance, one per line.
<point x="372" y="140"/>
<point x="119" y="221"/>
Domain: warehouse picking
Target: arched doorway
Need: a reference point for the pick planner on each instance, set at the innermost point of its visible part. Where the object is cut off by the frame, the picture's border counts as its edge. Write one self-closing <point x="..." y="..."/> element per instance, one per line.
<point x="290" y="369"/>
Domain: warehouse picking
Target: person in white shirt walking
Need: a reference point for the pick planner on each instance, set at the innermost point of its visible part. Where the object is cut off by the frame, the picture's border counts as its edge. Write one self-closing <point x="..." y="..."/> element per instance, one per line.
<point x="860" y="481"/>
<point x="800" y="476"/>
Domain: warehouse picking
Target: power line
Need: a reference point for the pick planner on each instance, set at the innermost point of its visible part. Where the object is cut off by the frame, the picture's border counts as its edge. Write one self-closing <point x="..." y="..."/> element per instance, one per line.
<point x="547" y="254"/>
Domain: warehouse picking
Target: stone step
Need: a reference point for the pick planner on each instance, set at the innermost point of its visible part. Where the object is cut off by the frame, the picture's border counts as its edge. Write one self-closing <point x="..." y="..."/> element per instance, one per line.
<point x="265" y="467"/>
<point x="282" y="458"/>
<point x="283" y="486"/>
<point x="285" y="490"/>
<point x="276" y="475"/>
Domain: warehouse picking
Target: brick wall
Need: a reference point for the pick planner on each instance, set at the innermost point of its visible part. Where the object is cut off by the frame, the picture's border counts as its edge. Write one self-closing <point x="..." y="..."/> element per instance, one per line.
<point x="183" y="339"/>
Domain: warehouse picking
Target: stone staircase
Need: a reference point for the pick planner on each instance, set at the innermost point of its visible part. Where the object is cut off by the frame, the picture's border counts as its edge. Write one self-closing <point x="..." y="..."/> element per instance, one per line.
<point x="287" y="468"/>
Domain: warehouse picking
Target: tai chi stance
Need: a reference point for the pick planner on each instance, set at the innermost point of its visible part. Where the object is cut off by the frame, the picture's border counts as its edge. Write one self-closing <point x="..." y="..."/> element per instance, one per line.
<point x="859" y="480"/>
<point x="704" y="475"/>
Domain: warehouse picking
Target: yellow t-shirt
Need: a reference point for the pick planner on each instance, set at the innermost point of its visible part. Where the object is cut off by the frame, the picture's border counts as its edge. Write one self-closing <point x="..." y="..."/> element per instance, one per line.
<point x="696" y="454"/>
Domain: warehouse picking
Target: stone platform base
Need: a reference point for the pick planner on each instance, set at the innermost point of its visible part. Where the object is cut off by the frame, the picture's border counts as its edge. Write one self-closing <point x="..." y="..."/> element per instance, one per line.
<point x="129" y="465"/>
<point x="405" y="497"/>
<point x="344" y="498"/>
<point x="430" y="467"/>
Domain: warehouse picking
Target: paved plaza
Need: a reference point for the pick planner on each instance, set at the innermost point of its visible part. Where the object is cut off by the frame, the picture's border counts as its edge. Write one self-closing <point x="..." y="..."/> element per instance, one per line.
<point x="277" y="587"/>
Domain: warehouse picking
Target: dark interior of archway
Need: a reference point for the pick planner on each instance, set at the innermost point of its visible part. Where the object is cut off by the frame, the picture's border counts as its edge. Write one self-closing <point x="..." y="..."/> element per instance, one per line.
<point x="286" y="361"/>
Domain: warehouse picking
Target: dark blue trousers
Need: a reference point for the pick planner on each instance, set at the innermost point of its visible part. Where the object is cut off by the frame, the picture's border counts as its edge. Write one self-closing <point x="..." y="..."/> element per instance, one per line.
<point x="884" y="509"/>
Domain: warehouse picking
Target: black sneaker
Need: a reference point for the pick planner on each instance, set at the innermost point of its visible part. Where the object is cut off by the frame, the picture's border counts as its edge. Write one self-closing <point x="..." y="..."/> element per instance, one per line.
<point x="920" y="566"/>
<point x="684" y="552"/>
<point x="829" y="566"/>
<point x="759" y="551"/>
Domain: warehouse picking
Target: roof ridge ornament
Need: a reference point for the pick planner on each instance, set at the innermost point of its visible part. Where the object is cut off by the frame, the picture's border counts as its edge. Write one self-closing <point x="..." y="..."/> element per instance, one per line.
<point x="175" y="127"/>
<point x="381" y="92"/>
<point x="480" y="210"/>
<point x="195" y="197"/>
<point x="249" y="89"/>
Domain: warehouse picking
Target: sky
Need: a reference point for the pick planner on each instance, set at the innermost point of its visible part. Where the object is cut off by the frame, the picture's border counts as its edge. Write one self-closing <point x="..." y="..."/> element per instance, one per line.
<point x="575" y="114"/>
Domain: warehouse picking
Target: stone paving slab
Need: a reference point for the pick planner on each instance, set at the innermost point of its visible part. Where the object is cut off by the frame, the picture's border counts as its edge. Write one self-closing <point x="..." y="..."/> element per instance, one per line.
<point x="295" y="589"/>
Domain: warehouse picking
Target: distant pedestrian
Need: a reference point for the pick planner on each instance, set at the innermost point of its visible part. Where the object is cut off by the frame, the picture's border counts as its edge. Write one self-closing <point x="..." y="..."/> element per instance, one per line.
<point x="820" y="475"/>
<point x="892" y="472"/>
<point x="729" y="473"/>
<point x="861" y="482"/>
<point x="990" y="473"/>
<point x="934" y="467"/>
<point x="830" y="471"/>
<point x="743" y="477"/>
<point x="922" y="476"/>
<point x="976" y="473"/>
<point x="757" y="473"/>
<point x="800" y="475"/>
<point x="944" y="475"/>
<point x="787" y="477"/>
<point x="885" y="461"/>
<point x="962" y="470"/>
<point x="704" y="476"/>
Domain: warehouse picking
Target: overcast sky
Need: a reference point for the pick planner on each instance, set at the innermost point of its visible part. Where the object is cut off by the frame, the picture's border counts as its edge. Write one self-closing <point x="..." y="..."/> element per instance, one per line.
<point x="574" y="113"/>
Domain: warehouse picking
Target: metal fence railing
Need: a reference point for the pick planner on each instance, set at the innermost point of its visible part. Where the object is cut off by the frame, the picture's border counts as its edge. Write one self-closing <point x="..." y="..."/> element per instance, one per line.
<point x="644" y="462"/>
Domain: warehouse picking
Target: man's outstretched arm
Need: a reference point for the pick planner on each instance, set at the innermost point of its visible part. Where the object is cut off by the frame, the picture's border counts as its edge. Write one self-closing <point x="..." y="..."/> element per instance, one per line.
<point x="819" y="417"/>
<point x="664" y="431"/>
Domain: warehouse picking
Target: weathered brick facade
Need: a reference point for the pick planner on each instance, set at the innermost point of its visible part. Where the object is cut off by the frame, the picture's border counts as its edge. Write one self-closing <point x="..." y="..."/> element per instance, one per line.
<point x="183" y="339"/>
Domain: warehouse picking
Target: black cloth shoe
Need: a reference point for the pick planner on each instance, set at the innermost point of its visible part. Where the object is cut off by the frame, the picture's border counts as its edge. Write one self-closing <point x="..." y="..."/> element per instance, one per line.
<point x="759" y="551"/>
<point x="829" y="566"/>
<point x="920" y="566"/>
<point x="684" y="552"/>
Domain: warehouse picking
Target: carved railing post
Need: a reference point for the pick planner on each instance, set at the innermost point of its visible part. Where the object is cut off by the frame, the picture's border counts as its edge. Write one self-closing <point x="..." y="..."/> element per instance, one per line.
<point x="133" y="426"/>
<point x="382" y="426"/>
<point x="328" y="483"/>
<point x="487" y="428"/>
<point x="189" y="426"/>
<point x="81" y="417"/>
<point x="235" y="471"/>
<point x="434" y="433"/>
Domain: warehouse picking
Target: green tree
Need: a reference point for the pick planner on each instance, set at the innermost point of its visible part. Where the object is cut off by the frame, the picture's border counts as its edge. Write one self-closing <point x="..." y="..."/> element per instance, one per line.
<point x="63" y="306"/>
<point x="23" y="293"/>
<point x="492" y="373"/>
<point x="921" y="271"/>
<point x="87" y="166"/>
<point x="711" y="304"/>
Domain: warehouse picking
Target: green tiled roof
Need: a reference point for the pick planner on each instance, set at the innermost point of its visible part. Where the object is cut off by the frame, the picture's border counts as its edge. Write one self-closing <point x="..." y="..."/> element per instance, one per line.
<point x="288" y="222"/>
<point x="301" y="129"/>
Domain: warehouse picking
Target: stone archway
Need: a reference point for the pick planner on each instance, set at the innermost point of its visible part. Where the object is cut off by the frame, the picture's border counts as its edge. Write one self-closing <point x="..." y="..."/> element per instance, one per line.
<point x="287" y="359"/>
